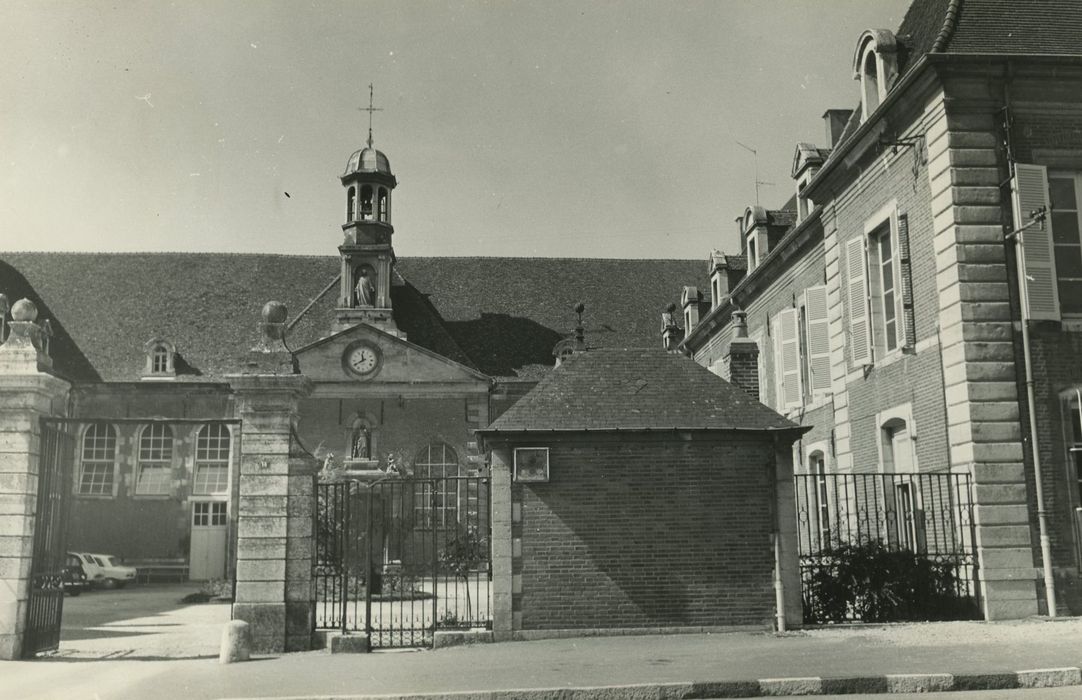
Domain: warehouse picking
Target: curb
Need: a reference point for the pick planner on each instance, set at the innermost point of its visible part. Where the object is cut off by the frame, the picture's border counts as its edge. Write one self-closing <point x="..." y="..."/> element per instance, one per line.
<point x="763" y="687"/>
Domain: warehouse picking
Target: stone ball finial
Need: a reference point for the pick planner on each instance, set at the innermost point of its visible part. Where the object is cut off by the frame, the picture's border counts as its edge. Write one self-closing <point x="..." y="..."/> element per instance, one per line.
<point x="24" y="310"/>
<point x="274" y="320"/>
<point x="274" y="312"/>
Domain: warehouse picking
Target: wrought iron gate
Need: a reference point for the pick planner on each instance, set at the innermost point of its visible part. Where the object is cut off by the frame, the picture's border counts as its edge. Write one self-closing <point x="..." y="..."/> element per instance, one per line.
<point x="46" y="601"/>
<point x="400" y="558"/>
<point x="886" y="547"/>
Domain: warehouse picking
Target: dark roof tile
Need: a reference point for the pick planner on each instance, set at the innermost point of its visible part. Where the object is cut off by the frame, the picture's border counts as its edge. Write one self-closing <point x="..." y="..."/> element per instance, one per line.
<point x="635" y="389"/>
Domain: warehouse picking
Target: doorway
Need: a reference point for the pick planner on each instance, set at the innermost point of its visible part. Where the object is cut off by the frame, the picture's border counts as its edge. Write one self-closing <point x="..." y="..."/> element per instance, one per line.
<point x="208" y="540"/>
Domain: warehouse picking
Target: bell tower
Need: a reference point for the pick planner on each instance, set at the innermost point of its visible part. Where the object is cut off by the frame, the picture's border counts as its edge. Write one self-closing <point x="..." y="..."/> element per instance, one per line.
<point x="367" y="250"/>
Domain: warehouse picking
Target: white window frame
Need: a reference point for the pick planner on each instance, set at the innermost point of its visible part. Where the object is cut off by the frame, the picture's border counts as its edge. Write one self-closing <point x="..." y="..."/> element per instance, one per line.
<point x="111" y="464"/>
<point x="1072" y="446"/>
<point x="903" y="413"/>
<point x="887" y="216"/>
<point x="446" y="515"/>
<point x="824" y="502"/>
<point x="163" y="489"/>
<point x="201" y="461"/>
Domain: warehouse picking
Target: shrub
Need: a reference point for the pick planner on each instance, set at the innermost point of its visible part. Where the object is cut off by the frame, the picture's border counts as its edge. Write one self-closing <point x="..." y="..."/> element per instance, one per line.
<point x="871" y="582"/>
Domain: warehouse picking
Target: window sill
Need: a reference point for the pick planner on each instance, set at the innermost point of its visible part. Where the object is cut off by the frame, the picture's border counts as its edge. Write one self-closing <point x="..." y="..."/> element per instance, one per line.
<point x="152" y="496"/>
<point x="96" y="496"/>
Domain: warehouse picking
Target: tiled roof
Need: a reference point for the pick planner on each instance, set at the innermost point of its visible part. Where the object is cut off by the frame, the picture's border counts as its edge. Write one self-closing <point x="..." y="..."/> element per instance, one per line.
<point x="1010" y="26"/>
<point x="628" y="389"/>
<point x="500" y="315"/>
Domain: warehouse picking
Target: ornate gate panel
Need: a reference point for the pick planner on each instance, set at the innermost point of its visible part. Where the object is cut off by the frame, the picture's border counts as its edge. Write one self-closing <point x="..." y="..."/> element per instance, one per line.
<point x="401" y="558"/>
<point x="887" y="547"/>
<point x="46" y="601"/>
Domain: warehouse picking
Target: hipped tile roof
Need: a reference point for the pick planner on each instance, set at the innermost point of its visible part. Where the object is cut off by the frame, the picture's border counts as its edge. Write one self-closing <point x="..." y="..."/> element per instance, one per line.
<point x="502" y="316"/>
<point x="617" y="389"/>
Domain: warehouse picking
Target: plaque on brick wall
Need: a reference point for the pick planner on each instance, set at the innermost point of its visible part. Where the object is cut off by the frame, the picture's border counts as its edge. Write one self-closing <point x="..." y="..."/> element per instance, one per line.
<point x="532" y="464"/>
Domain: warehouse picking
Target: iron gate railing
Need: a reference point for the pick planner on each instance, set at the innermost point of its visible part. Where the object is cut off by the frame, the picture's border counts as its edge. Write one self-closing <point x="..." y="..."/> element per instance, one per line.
<point x="46" y="599"/>
<point x="403" y="557"/>
<point x="886" y="547"/>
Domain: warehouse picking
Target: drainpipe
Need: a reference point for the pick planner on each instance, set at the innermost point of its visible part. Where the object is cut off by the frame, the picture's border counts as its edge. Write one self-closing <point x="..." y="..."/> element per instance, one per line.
<point x="779" y="586"/>
<point x="1031" y="400"/>
<point x="1038" y="479"/>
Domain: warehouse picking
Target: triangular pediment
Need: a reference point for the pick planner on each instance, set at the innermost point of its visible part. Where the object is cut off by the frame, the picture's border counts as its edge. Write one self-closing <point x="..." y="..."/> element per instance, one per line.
<point x="364" y="355"/>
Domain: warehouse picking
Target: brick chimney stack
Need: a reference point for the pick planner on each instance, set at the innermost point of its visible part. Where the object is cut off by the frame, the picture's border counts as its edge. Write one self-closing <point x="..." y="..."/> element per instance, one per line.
<point x="741" y="362"/>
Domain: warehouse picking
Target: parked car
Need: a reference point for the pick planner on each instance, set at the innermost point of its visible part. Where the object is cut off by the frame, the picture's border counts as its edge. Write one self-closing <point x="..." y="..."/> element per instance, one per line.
<point x="105" y="570"/>
<point x="73" y="576"/>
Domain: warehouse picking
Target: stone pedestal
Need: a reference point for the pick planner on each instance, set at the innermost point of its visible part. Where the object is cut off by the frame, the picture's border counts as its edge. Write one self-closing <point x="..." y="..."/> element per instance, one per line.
<point x="26" y="395"/>
<point x="275" y="589"/>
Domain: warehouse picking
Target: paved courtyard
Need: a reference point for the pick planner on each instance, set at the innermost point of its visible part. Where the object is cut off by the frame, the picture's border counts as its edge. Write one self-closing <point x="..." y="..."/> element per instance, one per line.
<point x="141" y="622"/>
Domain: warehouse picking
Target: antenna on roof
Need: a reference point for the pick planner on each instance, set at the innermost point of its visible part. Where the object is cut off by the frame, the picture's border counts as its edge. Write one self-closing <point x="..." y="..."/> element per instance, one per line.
<point x="757" y="180"/>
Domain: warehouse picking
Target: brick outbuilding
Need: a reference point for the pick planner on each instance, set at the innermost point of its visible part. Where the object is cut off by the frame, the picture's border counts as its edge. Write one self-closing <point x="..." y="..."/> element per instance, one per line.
<point x="634" y="489"/>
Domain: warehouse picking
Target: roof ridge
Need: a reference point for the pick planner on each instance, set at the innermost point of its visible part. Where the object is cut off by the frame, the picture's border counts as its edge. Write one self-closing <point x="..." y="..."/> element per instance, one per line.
<point x="950" y="20"/>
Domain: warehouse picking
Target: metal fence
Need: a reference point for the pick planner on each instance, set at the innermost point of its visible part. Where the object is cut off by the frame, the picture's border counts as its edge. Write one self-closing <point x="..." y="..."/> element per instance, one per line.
<point x="886" y="547"/>
<point x="403" y="557"/>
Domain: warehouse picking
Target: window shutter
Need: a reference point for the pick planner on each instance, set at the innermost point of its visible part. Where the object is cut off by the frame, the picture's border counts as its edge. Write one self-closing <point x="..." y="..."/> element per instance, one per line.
<point x="818" y="340"/>
<point x="789" y="332"/>
<point x="905" y="281"/>
<point x="1030" y="192"/>
<point x="856" y="298"/>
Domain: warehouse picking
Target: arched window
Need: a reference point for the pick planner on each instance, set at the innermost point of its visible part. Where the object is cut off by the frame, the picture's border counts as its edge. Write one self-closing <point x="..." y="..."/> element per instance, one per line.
<point x="97" y="466"/>
<point x="382" y="204"/>
<point x="212" y="448"/>
<point x="870" y="81"/>
<point x="351" y="200"/>
<point x="436" y="503"/>
<point x="817" y="467"/>
<point x="366" y="203"/>
<point x="159" y="362"/>
<point x="155" y="467"/>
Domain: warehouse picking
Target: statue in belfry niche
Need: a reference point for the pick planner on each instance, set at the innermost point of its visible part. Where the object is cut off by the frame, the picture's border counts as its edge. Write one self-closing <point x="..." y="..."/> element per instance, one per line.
<point x="361" y="448"/>
<point x="365" y="288"/>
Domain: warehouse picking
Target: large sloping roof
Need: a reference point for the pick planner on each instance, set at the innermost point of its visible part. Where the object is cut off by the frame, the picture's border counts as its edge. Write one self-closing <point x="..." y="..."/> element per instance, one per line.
<point x="636" y="390"/>
<point x="499" y="315"/>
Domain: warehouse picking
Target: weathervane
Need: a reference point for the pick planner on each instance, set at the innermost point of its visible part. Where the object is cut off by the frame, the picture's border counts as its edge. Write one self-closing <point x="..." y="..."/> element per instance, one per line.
<point x="370" y="109"/>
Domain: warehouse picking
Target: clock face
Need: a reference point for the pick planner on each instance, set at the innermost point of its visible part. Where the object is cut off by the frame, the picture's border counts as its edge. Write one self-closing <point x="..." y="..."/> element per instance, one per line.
<point x="361" y="359"/>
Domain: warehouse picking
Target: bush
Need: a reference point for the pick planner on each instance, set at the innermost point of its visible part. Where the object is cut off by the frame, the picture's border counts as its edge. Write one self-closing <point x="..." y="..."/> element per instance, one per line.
<point x="871" y="582"/>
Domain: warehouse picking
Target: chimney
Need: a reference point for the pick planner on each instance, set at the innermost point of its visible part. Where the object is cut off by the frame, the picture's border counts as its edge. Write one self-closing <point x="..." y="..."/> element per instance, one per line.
<point x="741" y="361"/>
<point x="835" y="119"/>
<point x="671" y="334"/>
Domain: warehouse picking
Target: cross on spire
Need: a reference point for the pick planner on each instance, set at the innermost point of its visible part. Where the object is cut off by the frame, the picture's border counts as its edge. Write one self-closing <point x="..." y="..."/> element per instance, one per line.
<point x="370" y="109"/>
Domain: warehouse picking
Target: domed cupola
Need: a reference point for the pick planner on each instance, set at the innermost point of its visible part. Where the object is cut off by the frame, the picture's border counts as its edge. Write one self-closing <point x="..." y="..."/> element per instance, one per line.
<point x="367" y="252"/>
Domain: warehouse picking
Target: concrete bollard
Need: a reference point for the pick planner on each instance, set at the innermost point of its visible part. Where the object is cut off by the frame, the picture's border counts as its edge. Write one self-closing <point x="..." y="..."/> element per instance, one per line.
<point x="236" y="642"/>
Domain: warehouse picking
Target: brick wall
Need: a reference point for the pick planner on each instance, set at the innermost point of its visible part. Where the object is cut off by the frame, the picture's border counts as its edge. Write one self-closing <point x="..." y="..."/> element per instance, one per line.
<point x="646" y="533"/>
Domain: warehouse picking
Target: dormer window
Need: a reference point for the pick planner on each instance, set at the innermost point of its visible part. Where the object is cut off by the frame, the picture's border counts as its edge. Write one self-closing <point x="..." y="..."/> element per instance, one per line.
<point x="159" y="359"/>
<point x="756" y="243"/>
<point x="876" y="67"/>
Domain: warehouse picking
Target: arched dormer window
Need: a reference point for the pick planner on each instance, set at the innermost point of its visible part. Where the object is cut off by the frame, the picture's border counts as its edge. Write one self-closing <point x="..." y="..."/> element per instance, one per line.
<point x="351" y="201"/>
<point x="160" y="355"/>
<point x="381" y="210"/>
<point x="875" y="65"/>
<point x="366" y="203"/>
<point x="756" y="244"/>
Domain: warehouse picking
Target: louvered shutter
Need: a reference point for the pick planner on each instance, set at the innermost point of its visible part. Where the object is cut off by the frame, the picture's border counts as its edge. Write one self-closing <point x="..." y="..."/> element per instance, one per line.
<point x="856" y="301"/>
<point x="908" y="334"/>
<point x="789" y="331"/>
<point x="818" y="340"/>
<point x="1030" y="192"/>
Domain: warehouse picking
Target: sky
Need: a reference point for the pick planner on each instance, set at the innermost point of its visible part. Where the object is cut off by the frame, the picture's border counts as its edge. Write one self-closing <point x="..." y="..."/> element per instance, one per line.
<point x="550" y="129"/>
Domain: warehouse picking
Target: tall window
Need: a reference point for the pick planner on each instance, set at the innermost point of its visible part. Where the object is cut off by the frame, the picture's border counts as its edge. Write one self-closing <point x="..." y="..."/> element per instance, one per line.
<point x="1064" y="192"/>
<point x="366" y="203"/>
<point x="870" y="81"/>
<point x="382" y="204"/>
<point x="160" y="360"/>
<point x="212" y="448"/>
<point x="98" y="461"/>
<point x="351" y="197"/>
<point x="436" y="503"/>
<point x="817" y="466"/>
<point x="885" y="300"/>
<point x="155" y="466"/>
